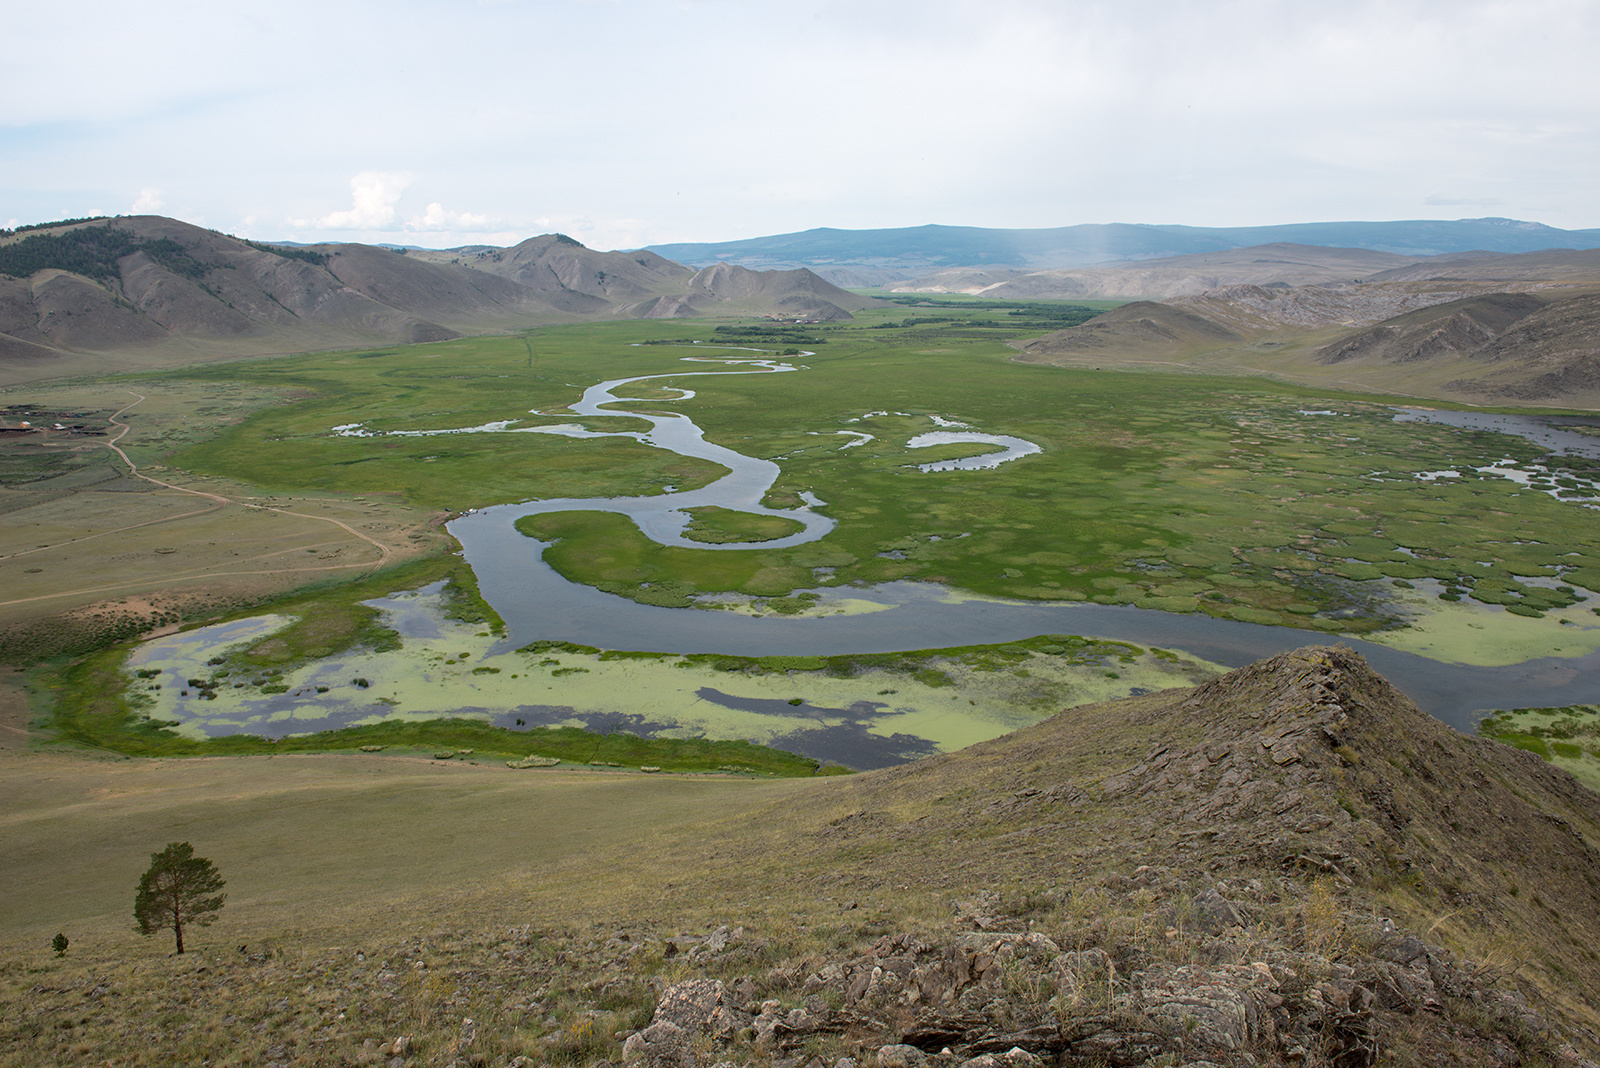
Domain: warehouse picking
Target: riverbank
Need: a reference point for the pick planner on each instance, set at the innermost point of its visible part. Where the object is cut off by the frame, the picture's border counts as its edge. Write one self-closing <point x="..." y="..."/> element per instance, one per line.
<point x="859" y="710"/>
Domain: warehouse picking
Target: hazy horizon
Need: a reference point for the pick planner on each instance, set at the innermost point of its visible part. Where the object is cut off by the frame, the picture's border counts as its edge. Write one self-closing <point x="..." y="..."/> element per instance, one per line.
<point x="626" y="123"/>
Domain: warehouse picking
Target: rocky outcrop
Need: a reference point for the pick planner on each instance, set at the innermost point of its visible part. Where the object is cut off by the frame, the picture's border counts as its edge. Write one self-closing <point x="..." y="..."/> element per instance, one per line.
<point x="1018" y="999"/>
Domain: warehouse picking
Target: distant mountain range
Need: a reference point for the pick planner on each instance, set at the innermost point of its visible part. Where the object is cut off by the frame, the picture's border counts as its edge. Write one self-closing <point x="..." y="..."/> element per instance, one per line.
<point x="96" y="295"/>
<point x="874" y="257"/>
<point x="105" y="294"/>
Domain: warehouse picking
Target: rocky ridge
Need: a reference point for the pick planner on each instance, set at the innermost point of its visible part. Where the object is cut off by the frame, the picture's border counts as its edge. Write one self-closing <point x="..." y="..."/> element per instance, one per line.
<point x="1206" y="990"/>
<point x="1311" y="789"/>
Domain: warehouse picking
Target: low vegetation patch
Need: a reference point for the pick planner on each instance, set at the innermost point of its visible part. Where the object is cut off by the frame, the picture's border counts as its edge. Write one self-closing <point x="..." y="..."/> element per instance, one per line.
<point x="112" y="723"/>
<point x="1068" y="649"/>
<point x="1243" y="499"/>
<point x="1567" y="736"/>
<point x="93" y="706"/>
<point x="720" y="525"/>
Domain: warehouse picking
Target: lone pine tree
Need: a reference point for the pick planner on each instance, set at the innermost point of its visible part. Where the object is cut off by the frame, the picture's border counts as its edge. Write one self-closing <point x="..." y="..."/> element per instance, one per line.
<point x="179" y="889"/>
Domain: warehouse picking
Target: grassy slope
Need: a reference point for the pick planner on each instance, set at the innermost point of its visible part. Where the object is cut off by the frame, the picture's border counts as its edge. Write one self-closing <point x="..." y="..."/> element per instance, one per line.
<point x="372" y="841"/>
<point x="330" y="855"/>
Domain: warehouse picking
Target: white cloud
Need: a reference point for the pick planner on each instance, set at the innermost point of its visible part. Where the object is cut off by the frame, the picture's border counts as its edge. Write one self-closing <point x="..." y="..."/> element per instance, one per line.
<point x="373" y="196"/>
<point x="1005" y="113"/>
<point x="437" y="218"/>
<point x="149" y="202"/>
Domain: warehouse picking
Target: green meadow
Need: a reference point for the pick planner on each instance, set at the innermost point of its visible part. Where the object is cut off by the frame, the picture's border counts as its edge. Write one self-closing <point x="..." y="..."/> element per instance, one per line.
<point x="1239" y="498"/>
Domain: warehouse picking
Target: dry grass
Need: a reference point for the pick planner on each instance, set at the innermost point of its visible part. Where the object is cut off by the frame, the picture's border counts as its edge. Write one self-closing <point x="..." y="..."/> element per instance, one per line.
<point x="336" y="846"/>
<point x="507" y="887"/>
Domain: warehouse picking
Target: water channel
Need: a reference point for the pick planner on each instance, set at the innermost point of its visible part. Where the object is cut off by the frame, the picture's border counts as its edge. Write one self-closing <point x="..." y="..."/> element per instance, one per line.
<point x="537" y="603"/>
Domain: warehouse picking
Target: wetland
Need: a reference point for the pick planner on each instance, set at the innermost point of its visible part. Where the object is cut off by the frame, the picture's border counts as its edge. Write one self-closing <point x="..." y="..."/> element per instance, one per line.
<point x="801" y="507"/>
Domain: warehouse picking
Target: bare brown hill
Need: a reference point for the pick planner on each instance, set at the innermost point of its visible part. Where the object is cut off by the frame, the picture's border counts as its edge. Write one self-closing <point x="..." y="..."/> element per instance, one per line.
<point x="795" y="294"/>
<point x="1375" y="320"/>
<point x="1550" y="355"/>
<point x="1519" y="347"/>
<point x="1269" y="309"/>
<point x="113" y="293"/>
<point x="1507" y="329"/>
<point x="1142" y="327"/>
<point x="1289" y="865"/>
<point x="1550" y="265"/>
<point x="575" y="277"/>
<point x="1450" y="329"/>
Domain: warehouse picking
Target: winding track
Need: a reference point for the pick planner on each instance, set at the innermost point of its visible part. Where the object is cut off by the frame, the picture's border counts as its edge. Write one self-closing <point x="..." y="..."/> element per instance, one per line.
<point x="218" y="501"/>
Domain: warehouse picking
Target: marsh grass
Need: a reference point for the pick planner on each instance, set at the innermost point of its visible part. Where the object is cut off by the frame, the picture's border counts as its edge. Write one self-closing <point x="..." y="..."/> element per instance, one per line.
<point x="1567" y="736"/>
<point x="717" y="525"/>
<point x="1172" y="485"/>
<point x="92" y="705"/>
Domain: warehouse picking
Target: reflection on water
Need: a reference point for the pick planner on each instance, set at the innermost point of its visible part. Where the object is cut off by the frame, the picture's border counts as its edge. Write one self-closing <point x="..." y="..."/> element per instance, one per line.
<point x="1546" y="431"/>
<point x="201" y="643"/>
<point x="537" y="603"/>
<point x="843" y="735"/>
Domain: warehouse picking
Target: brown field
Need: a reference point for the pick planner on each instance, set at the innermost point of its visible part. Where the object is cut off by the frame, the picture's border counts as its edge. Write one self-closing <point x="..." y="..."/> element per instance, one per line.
<point x="334" y="848"/>
<point x="101" y="530"/>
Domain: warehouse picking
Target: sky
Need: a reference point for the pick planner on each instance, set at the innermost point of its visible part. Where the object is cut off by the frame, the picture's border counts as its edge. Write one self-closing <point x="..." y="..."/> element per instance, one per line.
<point x="624" y="123"/>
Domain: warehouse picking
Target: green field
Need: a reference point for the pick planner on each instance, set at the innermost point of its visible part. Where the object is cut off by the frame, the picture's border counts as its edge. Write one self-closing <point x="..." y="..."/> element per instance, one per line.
<point x="1568" y="737"/>
<point x="1239" y="498"/>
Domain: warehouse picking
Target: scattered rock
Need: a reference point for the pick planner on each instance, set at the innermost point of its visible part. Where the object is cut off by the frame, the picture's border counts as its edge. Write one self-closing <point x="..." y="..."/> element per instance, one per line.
<point x="900" y="1056"/>
<point x="534" y="760"/>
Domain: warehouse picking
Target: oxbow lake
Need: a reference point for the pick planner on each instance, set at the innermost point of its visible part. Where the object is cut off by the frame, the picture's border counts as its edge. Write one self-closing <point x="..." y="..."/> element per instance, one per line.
<point x="537" y="603"/>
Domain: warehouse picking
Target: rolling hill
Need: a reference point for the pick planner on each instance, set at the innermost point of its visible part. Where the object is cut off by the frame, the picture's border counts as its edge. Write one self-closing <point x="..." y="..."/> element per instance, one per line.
<point x="106" y="294"/>
<point x="1482" y="328"/>
<point x="100" y="295"/>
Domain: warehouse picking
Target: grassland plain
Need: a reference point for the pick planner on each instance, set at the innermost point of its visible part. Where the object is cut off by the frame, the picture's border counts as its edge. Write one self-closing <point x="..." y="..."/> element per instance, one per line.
<point x="1240" y="498"/>
<point x="90" y="552"/>
<point x="1243" y="499"/>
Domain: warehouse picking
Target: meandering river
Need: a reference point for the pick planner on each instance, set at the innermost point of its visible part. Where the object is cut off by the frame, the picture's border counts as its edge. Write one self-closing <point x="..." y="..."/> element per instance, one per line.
<point x="536" y="603"/>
